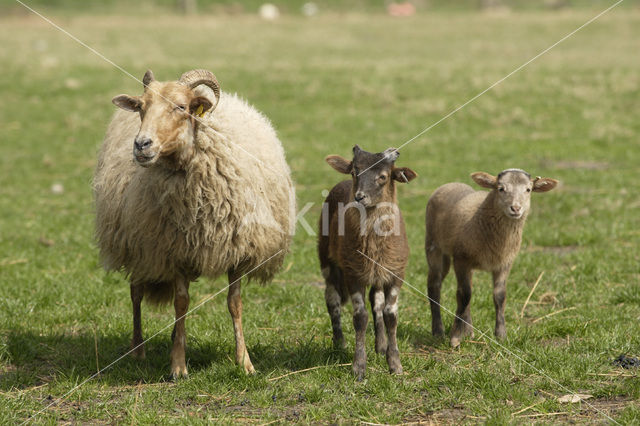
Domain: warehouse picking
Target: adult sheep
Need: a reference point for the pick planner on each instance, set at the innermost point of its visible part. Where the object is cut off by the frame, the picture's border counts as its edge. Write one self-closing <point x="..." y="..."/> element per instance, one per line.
<point x="207" y="191"/>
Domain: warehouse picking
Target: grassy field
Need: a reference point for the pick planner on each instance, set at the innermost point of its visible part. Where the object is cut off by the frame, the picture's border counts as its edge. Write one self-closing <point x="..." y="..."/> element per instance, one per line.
<point x="327" y="84"/>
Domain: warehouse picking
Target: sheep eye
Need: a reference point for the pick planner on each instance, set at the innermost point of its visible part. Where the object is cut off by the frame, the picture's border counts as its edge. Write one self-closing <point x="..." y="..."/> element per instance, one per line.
<point x="180" y="108"/>
<point x="382" y="177"/>
<point x="501" y="188"/>
<point x="528" y="189"/>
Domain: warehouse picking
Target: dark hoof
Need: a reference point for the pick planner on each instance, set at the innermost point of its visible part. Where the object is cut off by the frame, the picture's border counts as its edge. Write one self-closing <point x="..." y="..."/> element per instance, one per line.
<point x="382" y="350"/>
<point x="359" y="373"/>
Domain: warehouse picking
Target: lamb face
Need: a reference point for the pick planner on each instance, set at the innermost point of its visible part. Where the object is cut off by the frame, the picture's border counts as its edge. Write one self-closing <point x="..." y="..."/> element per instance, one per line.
<point x="513" y="189"/>
<point x="373" y="175"/>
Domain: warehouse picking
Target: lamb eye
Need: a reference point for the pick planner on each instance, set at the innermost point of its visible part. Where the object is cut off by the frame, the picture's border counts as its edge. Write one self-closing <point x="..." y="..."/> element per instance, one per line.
<point x="180" y="108"/>
<point x="528" y="189"/>
<point x="501" y="189"/>
<point x="382" y="177"/>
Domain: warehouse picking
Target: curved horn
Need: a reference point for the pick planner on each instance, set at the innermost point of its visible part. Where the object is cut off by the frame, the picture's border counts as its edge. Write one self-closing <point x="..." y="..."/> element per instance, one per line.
<point x="148" y="78"/>
<point x="195" y="78"/>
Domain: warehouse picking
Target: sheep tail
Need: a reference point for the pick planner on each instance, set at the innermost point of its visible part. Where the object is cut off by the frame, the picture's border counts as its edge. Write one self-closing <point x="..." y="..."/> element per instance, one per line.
<point x="158" y="293"/>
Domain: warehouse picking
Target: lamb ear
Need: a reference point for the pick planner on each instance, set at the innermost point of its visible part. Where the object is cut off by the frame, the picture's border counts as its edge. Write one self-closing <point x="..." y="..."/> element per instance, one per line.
<point x="485" y="180"/>
<point x="128" y="103"/>
<point x="403" y="174"/>
<point x="340" y="164"/>
<point x="147" y="78"/>
<point x="543" y="184"/>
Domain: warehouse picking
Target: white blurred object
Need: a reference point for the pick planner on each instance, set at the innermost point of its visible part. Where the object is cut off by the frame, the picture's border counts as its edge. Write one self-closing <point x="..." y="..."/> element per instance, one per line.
<point x="57" y="188"/>
<point x="310" y="9"/>
<point x="269" y="12"/>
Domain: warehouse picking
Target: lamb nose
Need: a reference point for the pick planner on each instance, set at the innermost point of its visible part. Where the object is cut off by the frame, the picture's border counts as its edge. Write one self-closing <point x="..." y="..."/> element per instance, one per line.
<point x="515" y="209"/>
<point x="359" y="197"/>
<point x="142" y="143"/>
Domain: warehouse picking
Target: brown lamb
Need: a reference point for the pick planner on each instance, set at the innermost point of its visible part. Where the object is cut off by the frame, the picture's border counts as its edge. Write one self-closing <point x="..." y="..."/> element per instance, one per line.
<point x="363" y="243"/>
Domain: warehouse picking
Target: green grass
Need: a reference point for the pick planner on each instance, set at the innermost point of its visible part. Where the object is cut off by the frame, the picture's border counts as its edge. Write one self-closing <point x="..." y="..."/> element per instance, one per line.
<point x="327" y="84"/>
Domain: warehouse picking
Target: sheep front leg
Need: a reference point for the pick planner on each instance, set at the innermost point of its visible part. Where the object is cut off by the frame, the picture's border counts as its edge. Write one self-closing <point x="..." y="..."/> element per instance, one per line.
<point x="137" y="292"/>
<point x="234" y="303"/>
<point x="438" y="269"/>
<point x="462" y="323"/>
<point x="377" y="298"/>
<point x="360" y="319"/>
<point x="391" y="323"/>
<point x="181" y="306"/>
<point x="499" y="299"/>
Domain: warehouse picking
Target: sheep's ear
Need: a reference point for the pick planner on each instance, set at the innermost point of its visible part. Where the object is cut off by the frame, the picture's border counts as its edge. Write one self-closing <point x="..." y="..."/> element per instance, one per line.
<point x="148" y="78"/>
<point x="403" y="174"/>
<point x="340" y="164"/>
<point x="544" y="184"/>
<point x="128" y="103"/>
<point x="199" y="105"/>
<point x="485" y="180"/>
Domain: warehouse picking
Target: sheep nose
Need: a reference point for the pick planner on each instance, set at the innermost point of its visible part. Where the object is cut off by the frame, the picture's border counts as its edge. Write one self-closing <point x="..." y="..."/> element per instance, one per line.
<point x="142" y="143"/>
<point x="515" y="209"/>
<point x="359" y="196"/>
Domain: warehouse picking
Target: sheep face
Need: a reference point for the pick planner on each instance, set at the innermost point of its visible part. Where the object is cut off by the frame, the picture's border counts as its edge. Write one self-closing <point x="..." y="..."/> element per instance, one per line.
<point x="168" y="113"/>
<point x="373" y="175"/>
<point x="512" y="190"/>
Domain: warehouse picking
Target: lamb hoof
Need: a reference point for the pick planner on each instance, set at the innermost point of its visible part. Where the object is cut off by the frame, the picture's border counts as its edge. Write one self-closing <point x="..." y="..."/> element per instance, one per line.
<point x="455" y="342"/>
<point x="396" y="370"/>
<point x="138" y="352"/>
<point x="178" y="372"/>
<point x="248" y="368"/>
<point x="395" y="367"/>
<point x="501" y="334"/>
<point x="339" y="344"/>
<point x="359" y="372"/>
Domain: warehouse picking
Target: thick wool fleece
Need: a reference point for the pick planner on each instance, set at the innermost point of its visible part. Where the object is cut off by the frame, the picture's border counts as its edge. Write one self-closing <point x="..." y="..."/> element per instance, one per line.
<point x="230" y="206"/>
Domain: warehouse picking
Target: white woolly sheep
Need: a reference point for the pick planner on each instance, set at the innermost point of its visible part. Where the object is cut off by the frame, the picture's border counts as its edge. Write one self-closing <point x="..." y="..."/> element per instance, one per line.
<point x="479" y="230"/>
<point x="200" y="195"/>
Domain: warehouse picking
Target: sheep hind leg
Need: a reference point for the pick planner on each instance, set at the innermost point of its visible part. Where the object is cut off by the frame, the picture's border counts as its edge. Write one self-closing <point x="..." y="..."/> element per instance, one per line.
<point x="438" y="270"/>
<point x="137" y="343"/>
<point x="234" y="303"/>
<point x="333" y="300"/>
<point x="391" y="323"/>
<point x="462" y="325"/>
<point x="376" y="298"/>
<point x="181" y="306"/>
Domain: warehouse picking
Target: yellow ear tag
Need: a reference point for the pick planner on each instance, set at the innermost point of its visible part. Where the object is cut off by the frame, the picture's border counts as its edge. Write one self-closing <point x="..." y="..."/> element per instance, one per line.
<point x="200" y="111"/>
